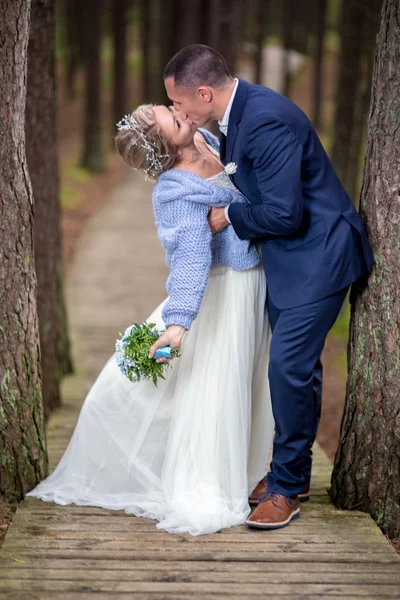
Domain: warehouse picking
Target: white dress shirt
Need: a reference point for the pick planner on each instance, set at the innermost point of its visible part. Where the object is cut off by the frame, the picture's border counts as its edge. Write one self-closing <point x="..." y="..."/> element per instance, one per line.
<point x="223" y="125"/>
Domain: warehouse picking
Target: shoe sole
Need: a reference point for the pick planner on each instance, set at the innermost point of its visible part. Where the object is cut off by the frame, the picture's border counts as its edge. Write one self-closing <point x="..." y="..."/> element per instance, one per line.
<point x="302" y="498"/>
<point x="256" y="525"/>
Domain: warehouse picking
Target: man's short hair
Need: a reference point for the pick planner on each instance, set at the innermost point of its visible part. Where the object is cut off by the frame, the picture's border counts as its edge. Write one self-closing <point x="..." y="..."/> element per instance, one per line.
<point x="197" y="65"/>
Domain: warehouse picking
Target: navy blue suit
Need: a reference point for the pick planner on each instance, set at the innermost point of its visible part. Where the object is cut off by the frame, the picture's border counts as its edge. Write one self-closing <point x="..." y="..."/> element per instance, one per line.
<point x="313" y="246"/>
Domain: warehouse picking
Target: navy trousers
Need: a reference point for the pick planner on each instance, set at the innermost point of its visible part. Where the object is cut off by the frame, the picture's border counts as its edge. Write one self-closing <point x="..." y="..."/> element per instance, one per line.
<point x="295" y="377"/>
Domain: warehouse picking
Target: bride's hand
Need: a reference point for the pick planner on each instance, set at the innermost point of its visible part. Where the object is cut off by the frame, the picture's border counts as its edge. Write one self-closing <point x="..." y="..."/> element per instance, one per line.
<point x="172" y="336"/>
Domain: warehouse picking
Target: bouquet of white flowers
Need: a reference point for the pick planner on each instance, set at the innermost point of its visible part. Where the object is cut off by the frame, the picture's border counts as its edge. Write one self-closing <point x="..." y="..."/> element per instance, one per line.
<point x="132" y="353"/>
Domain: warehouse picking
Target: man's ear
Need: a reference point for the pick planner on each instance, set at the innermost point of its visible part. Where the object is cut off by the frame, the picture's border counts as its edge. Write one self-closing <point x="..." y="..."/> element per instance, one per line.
<point x="205" y="93"/>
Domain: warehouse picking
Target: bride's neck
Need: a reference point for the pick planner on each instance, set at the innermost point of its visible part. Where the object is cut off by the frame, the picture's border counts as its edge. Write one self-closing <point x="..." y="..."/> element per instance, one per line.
<point x="189" y="153"/>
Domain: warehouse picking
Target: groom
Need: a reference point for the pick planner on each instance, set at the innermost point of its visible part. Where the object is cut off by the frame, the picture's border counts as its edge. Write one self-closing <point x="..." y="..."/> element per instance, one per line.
<point x="313" y="247"/>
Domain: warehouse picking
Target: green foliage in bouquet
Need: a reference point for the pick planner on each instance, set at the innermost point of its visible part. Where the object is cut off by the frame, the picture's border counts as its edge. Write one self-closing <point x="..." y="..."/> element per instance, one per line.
<point x="132" y="353"/>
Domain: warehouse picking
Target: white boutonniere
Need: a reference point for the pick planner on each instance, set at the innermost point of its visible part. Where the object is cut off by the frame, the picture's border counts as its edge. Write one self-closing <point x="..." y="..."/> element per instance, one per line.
<point x="231" y="168"/>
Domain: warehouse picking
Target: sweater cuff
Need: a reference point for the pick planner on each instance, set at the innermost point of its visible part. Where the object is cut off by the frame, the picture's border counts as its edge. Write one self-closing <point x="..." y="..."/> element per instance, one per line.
<point x="178" y="319"/>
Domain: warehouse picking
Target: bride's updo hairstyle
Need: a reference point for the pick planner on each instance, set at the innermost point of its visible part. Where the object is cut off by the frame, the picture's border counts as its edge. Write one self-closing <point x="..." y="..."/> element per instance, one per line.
<point x="142" y="145"/>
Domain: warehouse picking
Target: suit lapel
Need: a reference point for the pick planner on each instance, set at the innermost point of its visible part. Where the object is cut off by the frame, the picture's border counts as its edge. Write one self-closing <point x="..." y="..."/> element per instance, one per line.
<point x="222" y="147"/>
<point x="236" y="116"/>
<point x="230" y="141"/>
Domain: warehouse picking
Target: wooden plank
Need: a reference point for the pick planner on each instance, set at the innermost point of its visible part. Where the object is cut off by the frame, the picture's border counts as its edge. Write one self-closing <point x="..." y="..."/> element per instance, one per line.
<point x="236" y="554"/>
<point x="126" y="540"/>
<point x="310" y="510"/>
<point x="304" y="528"/>
<point x="177" y="575"/>
<point x="308" y="534"/>
<point x="54" y="595"/>
<point x="117" y="518"/>
<point x="251" y="589"/>
<point x="175" y="543"/>
<point x="81" y="532"/>
<point x="33" y="563"/>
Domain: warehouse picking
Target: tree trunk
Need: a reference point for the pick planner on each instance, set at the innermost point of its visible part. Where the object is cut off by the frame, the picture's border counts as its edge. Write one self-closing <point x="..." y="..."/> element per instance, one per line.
<point x="370" y="26"/>
<point x="205" y="20"/>
<point x="367" y="465"/>
<point x="42" y="158"/>
<point x="23" y="458"/>
<point x="120" y="16"/>
<point x="93" y="158"/>
<point x="260" y="33"/>
<point x="287" y="42"/>
<point x="226" y="30"/>
<point x="145" y="22"/>
<point x="346" y="92"/>
<point x="320" y="28"/>
<point x="301" y="15"/>
<point x="191" y="32"/>
<point x="171" y="26"/>
<point x="73" y="59"/>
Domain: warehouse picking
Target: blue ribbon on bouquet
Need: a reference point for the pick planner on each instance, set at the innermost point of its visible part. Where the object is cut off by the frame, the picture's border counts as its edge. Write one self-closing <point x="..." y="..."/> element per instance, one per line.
<point x="164" y="352"/>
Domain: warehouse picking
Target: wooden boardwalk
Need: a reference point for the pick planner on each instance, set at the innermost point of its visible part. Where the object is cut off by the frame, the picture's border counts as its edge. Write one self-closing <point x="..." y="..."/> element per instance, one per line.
<point x="76" y="553"/>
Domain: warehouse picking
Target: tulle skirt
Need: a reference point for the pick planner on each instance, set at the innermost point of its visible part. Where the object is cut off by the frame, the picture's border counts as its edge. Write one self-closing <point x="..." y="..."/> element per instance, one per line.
<point x="188" y="452"/>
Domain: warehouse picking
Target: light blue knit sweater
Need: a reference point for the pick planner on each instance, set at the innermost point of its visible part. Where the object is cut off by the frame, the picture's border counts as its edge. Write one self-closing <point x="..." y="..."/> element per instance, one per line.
<point x="181" y="202"/>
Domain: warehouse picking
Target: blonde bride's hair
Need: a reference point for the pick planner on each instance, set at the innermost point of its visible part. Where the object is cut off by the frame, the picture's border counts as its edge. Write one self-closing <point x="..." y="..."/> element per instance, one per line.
<point x="142" y="145"/>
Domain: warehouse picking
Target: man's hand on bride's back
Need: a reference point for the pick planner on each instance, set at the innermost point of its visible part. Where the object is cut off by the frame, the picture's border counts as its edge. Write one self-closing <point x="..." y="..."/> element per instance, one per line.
<point x="172" y="336"/>
<point x="217" y="219"/>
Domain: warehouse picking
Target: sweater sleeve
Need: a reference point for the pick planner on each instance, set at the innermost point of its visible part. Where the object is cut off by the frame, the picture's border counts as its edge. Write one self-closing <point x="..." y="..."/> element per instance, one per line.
<point x="196" y="192"/>
<point x="190" y="262"/>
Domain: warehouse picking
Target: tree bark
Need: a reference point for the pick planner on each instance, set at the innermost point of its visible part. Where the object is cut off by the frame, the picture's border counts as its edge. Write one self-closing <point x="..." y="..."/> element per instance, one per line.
<point x="367" y="465"/>
<point x="42" y="158"/>
<point x="23" y="458"/>
<point x="93" y="158"/>
<point x="120" y="16"/>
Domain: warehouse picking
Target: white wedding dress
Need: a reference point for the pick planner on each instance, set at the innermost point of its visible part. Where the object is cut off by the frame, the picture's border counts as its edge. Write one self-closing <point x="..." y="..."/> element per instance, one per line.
<point x="189" y="451"/>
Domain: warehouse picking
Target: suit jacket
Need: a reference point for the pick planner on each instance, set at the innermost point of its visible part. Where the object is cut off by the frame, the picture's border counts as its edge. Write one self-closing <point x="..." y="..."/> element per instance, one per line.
<point x="312" y="239"/>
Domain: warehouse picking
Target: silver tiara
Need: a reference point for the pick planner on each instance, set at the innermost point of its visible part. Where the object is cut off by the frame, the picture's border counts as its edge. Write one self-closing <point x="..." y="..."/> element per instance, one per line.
<point x="153" y="157"/>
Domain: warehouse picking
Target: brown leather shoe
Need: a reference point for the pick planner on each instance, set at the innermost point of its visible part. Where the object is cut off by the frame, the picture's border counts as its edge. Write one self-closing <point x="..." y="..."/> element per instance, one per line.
<point x="261" y="489"/>
<point x="304" y="495"/>
<point x="274" y="512"/>
<point x="259" y="492"/>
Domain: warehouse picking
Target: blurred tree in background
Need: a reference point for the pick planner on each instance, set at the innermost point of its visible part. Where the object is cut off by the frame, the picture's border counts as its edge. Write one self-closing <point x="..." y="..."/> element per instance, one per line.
<point x="42" y="157"/>
<point x="260" y="32"/>
<point x="120" y="23"/>
<point x="320" y="26"/>
<point x="93" y="157"/>
<point x="73" y="23"/>
<point x="358" y="26"/>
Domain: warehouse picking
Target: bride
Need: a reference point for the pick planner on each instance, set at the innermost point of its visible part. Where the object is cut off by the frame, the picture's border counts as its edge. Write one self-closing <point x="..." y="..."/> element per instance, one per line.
<point x="188" y="452"/>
